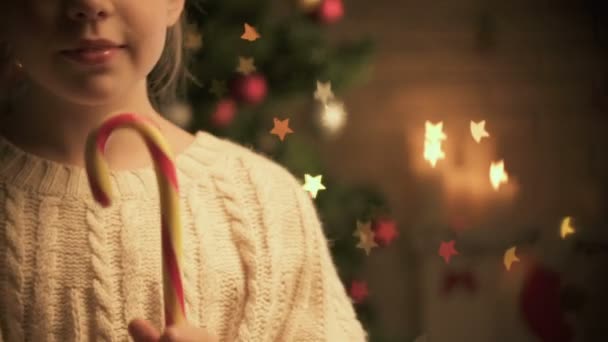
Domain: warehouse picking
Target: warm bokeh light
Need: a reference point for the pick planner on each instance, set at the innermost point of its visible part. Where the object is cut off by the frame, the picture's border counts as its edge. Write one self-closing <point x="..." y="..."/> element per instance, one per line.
<point x="333" y="117"/>
<point x="478" y="130"/>
<point x="432" y="142"/>
<point x="498" y="175"/>
<point x="510" y="257"/>
<point x="566" y="227"/>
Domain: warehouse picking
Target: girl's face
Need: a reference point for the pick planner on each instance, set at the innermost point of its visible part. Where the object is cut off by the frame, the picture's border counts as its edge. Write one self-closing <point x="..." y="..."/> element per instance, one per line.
<point x="38" y="30"/>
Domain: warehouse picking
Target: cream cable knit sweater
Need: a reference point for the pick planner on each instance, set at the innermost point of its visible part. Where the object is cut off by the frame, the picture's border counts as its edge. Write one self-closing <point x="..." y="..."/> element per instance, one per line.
<point x="257" y="266"/>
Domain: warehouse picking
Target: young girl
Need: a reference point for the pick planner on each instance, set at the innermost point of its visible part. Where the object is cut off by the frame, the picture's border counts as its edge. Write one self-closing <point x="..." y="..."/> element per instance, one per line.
<point x="256" y="262"/>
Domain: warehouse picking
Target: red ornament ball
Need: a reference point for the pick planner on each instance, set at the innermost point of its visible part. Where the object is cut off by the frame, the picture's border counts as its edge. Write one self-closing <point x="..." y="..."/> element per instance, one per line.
<point x="358" y="291"/>
<point x="224" y="113"/>
<point x="541" y="308"/>
<point x="330" y="11"/>
<point x="250" y="89"/>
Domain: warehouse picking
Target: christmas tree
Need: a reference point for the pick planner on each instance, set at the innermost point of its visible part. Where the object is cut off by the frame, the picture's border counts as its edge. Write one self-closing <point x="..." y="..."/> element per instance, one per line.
<point x="251" y="65"/>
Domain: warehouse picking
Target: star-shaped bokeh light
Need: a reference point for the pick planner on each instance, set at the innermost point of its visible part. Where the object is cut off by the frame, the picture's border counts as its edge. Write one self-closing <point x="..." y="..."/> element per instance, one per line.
<point x="566" y="227"/>
<point x="281" y="128"/>
<point x="324" y="92"/>
<point x="478" y="130"/>
<point x="250" y="34"/>
<point x="510" y="257"/>
<point x="433" y="136"/>
<point x="246" y="65"/>
<point x="313" y="184"/>
<point x="447" y="250"/>
<point x="366" y="236"/>
<point x="498" y="175"/>
<point x="386" y="231"/>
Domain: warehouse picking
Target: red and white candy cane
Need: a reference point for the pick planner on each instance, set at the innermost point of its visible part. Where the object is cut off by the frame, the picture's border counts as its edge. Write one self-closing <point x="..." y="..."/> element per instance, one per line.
<point x="171" y="230"/>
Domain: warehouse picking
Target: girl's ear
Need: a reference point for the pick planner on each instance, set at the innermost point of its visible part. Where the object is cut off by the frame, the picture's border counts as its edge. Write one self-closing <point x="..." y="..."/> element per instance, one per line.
<point x="174" y="11"/>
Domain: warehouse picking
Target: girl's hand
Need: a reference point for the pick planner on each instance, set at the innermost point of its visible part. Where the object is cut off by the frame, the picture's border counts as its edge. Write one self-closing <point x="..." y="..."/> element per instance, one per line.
<point x="143" y="331"/>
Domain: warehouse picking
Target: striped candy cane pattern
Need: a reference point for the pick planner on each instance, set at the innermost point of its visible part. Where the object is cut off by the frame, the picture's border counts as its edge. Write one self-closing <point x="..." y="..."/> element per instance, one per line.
<point x="171" y="230"/>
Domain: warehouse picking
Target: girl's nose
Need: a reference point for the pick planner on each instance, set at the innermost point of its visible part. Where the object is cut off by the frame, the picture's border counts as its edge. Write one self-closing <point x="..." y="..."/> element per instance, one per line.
<point x="89" y="10"/>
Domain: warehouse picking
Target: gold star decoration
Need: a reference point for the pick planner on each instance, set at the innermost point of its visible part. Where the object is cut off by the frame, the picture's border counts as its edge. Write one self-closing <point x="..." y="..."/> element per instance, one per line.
<point x="478" y="130"/>
<point x="246" y="66"/>
<point x="324" y="92"/>
<point x="218" y="88"/>
<point x="363" y="228"/>
<point x="366" y="236"/>
<point x="510" y="258"/>
<point x="313" y="185"/>
<point x="281" y="128"/>
<point x="250" y="33"/>
<point x="566" y="227"/>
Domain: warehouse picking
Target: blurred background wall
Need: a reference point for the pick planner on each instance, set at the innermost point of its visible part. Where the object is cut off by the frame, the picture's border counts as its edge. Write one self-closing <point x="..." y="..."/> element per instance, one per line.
<point x="536" y="72"/>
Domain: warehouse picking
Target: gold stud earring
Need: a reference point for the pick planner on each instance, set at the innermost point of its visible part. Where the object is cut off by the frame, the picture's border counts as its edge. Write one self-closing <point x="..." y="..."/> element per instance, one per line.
<point x="18" y="64"/>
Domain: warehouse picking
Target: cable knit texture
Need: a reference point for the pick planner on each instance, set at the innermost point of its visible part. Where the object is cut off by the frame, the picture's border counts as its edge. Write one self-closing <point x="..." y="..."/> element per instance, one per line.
<point x="256" y="262"/>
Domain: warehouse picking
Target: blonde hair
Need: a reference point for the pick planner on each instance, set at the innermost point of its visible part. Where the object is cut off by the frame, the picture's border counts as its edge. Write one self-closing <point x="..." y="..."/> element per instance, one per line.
<point x="167" y="82"/>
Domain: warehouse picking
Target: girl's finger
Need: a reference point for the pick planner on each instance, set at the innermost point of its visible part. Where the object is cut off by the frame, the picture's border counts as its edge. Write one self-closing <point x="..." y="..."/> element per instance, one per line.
<point x="143" y="331"/>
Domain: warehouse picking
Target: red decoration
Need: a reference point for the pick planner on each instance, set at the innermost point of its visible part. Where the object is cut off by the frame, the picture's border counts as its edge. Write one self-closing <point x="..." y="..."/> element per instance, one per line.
<point x="385" y="231"/>
<point x="540" y="306"/>
<point x="447" y="250"/>
<point x="358" y="291"/>
<point x="330" y="11"/>
<point x="454" y="279"/>
<point x="250" y="89"/>
<point x="224" y="113"/>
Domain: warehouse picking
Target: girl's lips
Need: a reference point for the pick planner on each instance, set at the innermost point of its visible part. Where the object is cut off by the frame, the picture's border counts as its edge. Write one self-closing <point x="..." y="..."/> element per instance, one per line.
<point x="92" y="56"/>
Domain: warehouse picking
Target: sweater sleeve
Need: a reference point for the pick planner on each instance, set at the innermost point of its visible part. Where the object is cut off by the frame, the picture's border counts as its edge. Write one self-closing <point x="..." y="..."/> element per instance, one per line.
<point x="322" y="310"/>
